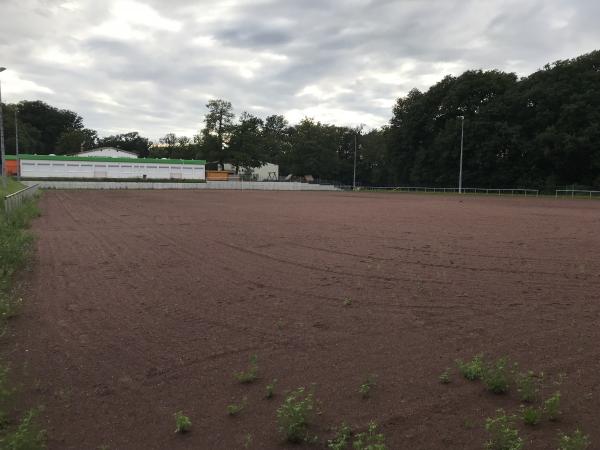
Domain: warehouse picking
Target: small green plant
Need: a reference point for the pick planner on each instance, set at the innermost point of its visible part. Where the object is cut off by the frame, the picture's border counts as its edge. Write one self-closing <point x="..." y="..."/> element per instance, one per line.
<point x="341" y="438"/>
<point x="294" y="414"/>
<point x="235" y="408"/>
<point x="347" y="301"/>
<point x="251" y="374"/>
<point x="370" y="439"/>
<point x="471" y="370"/>
<point x="182" y="422"/>
<point x="528" y="386"/>
<point x="575" y="441"/>
<point x="27" y="436"/>
<point x="497" y="376"/>
<point x="552" y="407"/>
<point x="445" y="376"/>
<point x="271" y="389"/>
<point x="531" y="415"/>
<point x="366" y="387"/>
<point x="247" y="440"/>
<point x="503" y="434"/>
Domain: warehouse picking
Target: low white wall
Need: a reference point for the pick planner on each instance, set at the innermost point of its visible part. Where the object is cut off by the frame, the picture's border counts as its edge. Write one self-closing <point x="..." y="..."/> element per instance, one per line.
<point x="250" y="185"/>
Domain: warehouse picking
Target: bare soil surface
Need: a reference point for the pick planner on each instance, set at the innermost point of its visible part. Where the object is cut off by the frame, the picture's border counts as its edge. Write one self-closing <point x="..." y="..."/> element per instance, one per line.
<point x="143" y="303"/>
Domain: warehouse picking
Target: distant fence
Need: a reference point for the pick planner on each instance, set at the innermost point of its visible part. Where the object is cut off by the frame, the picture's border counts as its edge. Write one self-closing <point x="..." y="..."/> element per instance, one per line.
<point x="576" y="193"/>
<point x="16" y="199"/>
<point x="524" y="192"/>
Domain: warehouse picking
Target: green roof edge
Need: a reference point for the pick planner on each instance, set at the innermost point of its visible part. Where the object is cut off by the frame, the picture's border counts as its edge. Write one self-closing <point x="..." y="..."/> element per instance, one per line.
<point x="198" y="162"/>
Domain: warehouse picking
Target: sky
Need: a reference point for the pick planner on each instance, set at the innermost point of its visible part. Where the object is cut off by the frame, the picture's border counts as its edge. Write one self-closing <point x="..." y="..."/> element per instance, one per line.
<point x="151" y="65"/>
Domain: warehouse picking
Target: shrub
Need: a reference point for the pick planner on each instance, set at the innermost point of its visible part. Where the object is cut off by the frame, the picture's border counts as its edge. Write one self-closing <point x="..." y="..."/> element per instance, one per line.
<point x="27" y="436"/>
<point x="235" y="409"/>
<point x="445" y="376"/>
<point x="347" y="301"/>
<point x="251" y="374"/>
<point x="503" y="435"/>
<point x="528" y="386"/>
<point x="370" y="439"/>
<point x="368" y="384"/>
<point x="471" y="370"/>
<point x="294" y="414"/>
<point x="531" y="416"/>
<point x="182" y="423"/>
<point x="341" y="439"/>
<point x="271" y="389"/>
<point x="575" y="441"/>
<point x="552" y="407"/>
<point x="497" y="376"/>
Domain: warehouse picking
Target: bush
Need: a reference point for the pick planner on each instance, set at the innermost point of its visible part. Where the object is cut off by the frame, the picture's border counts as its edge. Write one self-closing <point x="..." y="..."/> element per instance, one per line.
<point x="369" y="440"/>
<point x="528" y="386"/>
<point x="235" y="409"/>
<point x="552" y="407"/>
<point x="271" y="389"/>
<point x="503" y="434"/>
<point x="471" y="370"/>
<point x="294" y="414"/>
<point x="445" y="377"/>
<point x="27" y="436"/>
<point x="367" y="385"/>
<point x="497" y="376"/>
<point x="182" y="423"/>
<point x="575" y="441"/>
<point x="249" y="375"/>
<point x="341" y="439"/>
<point x="531" y="416"/>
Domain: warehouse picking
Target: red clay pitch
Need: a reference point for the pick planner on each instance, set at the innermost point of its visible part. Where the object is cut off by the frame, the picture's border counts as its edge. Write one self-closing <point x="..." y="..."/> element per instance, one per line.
<point x="143" y="303"/>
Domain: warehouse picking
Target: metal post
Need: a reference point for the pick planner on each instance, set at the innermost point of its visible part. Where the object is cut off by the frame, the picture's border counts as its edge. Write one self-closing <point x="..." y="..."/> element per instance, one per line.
<point x="462" y="134"/>
<point x="354" y="173"/>
<point x="17" y="144"/>
<point x="2" y="156"/>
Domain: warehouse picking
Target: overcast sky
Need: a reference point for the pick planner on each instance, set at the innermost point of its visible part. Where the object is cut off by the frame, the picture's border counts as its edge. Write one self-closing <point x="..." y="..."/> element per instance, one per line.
<point x="151" y="65"/>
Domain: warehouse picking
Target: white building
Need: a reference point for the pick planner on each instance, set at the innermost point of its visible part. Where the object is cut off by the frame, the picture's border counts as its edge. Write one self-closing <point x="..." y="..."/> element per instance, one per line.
<point x="103" y="167"/>
<point x="266" y="172"/>
<point x="108" y="152"/>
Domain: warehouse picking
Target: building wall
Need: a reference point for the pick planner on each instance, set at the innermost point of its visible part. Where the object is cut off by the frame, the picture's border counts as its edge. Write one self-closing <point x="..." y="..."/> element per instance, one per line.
<point x="101" y="169"/>
<point x="266" y="172"/>
<point x="109" y="152"/>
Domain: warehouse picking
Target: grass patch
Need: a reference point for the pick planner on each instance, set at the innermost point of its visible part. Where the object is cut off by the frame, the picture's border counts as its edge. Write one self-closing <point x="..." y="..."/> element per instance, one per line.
<point x="249" y="375"/>
<point x="294" y="414"/>
<point x="341" y="439"/>
<point x="528" y="386"/>
<point x="270" y="388"/>
<point x="370" y="439"/>
<point x="471" y="370"/>
<point x="497" y="376"/>
<point x="235" y="408"/>
<point x="552" y="407"/>
<point x="531" y="415"/>
<point x="27" y="436"/>
<point x="367" y="386"/>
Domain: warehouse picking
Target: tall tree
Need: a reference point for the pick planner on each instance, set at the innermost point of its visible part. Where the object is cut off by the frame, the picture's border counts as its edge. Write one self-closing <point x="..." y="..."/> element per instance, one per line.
<point x="246" y="147"/>
<point x="218" y="122"/>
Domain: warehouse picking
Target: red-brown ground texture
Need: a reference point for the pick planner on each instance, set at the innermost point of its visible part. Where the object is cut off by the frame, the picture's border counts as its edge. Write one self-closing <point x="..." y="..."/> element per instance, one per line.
<point x="139" y="304"/>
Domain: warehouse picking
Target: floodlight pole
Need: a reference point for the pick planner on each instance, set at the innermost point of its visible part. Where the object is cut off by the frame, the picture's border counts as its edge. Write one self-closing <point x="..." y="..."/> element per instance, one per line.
<point x="2" y="155"/>
<point x="17" y="143"/>
<point x="354" y="172"/>
<point x="462" y="135"/>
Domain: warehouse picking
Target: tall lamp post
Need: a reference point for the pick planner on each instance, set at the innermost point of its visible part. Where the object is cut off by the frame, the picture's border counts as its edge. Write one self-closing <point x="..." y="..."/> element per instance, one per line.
<point x="354" y="171"/>
<point x="3" y="159"/>
<point x="17" y="143"/>
<point x="462" y="135"/>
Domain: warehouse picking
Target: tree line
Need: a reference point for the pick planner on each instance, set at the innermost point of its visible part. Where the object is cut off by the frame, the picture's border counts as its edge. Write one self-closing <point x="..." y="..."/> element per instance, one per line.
<point x="539" y="131"/>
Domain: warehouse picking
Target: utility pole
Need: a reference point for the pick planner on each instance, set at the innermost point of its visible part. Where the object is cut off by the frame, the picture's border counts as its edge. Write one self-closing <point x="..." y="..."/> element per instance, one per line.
<point x="354" y="173"/>
<point x="17" y="143"/>
<point x="462" y="135"/>
<point x="2" y="151"/>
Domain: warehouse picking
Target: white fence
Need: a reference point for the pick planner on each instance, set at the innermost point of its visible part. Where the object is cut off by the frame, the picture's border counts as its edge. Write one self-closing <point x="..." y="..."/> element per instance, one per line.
<point x="16" y="199"/>
<point x="576" y="193"/>
<point x="524" y="192"/>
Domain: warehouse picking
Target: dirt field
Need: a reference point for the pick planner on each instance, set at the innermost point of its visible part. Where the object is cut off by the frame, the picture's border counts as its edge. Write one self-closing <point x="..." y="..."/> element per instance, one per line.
<point x="140" y="304"/>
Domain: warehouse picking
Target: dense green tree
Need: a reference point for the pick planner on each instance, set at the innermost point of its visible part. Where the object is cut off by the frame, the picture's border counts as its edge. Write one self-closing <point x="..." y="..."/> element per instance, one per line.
<point x="74" y="141"/>
<point x="217" y="128"/>
<point x="246" y="146"/>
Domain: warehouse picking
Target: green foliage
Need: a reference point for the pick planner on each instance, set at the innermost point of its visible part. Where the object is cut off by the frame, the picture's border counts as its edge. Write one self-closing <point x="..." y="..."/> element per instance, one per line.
<point x="552" y="407"/>
<point x="182" y="422"/>
<point x="247" y="440"/>
<point x="503" y="434"/>
<point x="445" y="376"/>
<point x="369" y="440"/>
<point x="251" y="374"/>
<point x="471" y="370"/>
<point x="497" y="376"/>
<point x="27" y="436"/>
<point x="366" y="387"/>
<point x="234" y="409"/>
<point x="271" y="389"/>
<point x="528" y="386"/>
<point x="341" y="438"/>
<point x="574" y="441"/>
<point x="347" y="301"/>
<point x="294" y="414"/>
<point x="6" y="394"/>
<point x="531" y="415"/>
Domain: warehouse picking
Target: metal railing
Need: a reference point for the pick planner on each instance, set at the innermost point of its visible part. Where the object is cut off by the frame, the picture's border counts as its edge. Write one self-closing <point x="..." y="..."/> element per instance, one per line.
<point x="16" y="199"/>
<point x="489" y="191"/>
<point x="576" y="193"/>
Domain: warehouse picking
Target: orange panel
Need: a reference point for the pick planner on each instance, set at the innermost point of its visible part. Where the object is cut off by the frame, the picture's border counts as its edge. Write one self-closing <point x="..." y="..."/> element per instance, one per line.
<point x="11" y="167"/>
